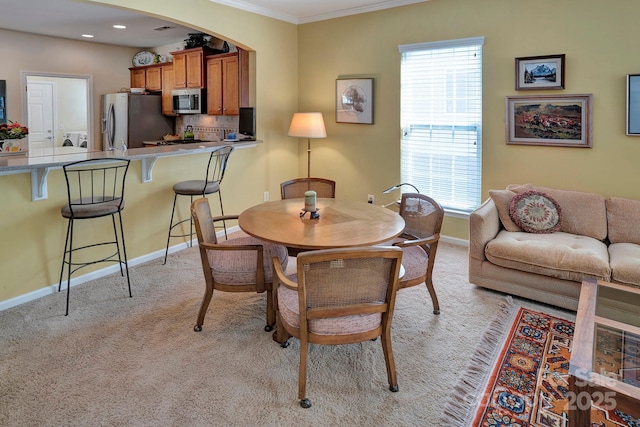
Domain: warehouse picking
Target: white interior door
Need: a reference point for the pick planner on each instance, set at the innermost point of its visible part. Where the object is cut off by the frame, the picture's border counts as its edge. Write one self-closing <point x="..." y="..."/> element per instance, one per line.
<point x="40" y="114"/>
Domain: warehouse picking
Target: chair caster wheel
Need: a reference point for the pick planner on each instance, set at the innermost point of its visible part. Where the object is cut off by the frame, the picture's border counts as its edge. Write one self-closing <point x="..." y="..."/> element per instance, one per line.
<point x="197" y="328"/>
<point x="268" y="328"/>
<point x="394" y="388"/>
<point x="436" y="311"/>
<point x="284" y="344"/>
<point x="305" y="403"/>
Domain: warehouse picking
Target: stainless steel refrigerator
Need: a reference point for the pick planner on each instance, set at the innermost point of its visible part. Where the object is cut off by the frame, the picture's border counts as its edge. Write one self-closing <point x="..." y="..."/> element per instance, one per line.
<point x="132" y="118"/>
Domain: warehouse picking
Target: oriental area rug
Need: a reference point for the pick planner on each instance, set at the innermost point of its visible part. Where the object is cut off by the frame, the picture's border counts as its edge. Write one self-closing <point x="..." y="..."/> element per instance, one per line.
<point x="528" y="382"/>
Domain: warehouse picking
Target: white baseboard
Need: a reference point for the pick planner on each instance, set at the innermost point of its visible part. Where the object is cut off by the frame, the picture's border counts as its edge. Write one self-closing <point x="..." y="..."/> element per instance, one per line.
<point x="78" y="280"/>
<point x="455" y="241"/>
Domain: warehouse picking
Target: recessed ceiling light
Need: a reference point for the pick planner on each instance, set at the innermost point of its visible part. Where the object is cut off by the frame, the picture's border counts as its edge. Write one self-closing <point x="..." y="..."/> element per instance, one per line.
<point x="120" y="27"/>
<point x="89" y="36"/>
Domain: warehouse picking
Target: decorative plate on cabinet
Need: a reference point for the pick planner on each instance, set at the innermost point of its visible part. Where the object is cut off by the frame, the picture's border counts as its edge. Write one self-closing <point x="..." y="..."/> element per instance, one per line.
<point x="143" y="58"/>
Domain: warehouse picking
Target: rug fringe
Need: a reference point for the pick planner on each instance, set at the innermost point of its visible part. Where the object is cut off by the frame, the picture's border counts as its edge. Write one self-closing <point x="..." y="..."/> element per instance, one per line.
<point x="466" y="394"/>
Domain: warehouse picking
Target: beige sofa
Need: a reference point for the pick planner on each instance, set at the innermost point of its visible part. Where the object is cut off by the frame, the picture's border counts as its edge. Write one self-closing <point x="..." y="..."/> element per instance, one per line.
<point x="599" y="238"/>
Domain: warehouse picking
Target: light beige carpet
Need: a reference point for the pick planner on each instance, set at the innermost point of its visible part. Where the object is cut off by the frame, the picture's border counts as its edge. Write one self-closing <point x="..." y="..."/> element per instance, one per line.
<point x="119" y="361"/>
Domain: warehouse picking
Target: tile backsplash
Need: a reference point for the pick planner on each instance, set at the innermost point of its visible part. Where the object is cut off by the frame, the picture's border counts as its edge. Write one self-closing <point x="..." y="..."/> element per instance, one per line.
<point x="206" y="127"/>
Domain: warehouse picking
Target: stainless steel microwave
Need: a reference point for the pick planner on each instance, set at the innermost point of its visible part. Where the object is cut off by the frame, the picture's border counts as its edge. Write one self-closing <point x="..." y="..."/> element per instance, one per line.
<point x="189" y="101"/>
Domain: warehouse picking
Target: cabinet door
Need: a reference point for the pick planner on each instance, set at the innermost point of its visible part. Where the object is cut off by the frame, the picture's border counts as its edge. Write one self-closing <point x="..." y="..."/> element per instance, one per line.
<point x="180" y="71"/>
<point x="167" y="87"/>
<point x="230" y="92"/>
<point x="195" y="69"/>
<point x="154" y="79"/>
<point x="138" y="78"/>
<point x="214" y="87"/>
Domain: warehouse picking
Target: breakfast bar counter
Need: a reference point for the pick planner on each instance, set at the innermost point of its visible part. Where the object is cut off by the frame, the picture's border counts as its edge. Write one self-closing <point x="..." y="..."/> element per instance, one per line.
<point x="39" y="162"/>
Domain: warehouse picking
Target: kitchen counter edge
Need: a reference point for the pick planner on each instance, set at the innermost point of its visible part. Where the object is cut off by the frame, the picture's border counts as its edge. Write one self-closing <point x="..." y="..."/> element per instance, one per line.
<point x="24" y="164"/>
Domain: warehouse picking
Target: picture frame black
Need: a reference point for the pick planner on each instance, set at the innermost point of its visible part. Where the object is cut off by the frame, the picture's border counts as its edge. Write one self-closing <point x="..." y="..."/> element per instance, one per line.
<point x="540" y="72"/>
<point x="633" y="105"/>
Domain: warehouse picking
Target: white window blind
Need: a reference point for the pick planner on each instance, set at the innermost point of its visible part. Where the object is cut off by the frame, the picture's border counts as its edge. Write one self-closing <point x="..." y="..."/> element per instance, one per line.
<point x="441" y="119"/>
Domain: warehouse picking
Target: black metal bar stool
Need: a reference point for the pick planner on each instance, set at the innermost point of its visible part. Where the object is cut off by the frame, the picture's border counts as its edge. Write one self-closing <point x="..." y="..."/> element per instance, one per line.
<point x="202" y="187"/>
<point x="95" y="189"/>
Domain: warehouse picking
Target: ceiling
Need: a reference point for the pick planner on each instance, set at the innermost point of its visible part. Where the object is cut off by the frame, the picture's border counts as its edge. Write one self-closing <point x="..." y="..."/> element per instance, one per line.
<point x="71" y="19"/>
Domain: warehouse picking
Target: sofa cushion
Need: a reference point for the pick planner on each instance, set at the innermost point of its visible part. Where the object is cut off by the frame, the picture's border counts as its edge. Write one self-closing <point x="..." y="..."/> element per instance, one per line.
<point x="624" y="260"/>
<point x="501" y="199"/>
<point x="561" y="255"/>
<point x="623" y="216"/>
<point x="535" y="212"/>
<point x="582" y="213"/>
<point x="520" y="188"/>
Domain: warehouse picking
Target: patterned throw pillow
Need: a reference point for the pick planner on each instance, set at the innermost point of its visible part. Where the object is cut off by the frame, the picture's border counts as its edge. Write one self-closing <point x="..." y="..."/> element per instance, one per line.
<point x="535" y="212"/>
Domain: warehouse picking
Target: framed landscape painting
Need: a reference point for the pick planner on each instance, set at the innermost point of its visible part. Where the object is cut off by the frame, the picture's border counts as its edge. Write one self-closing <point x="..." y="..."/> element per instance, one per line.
<point x="540" y="72"/>
<point x="558" y="121"/>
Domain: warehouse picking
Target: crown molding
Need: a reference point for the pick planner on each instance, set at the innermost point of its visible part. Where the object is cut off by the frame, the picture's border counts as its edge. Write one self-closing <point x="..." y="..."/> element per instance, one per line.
<point x="249" y="7"/>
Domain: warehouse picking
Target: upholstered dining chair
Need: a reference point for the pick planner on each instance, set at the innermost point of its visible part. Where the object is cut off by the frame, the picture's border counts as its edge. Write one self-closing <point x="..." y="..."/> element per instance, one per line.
<point x="242" y="264"/>
<point x="419" y="241"/>
<point x="216" y="168"/>
<point x="95" y="189"/>
<point x="295" y="188"/>
<point x="339" y="296"/>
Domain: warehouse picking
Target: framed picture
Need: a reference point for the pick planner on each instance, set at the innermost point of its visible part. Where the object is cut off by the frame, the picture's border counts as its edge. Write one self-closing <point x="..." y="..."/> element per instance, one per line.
<point x="633" y="104"/>
<point x="354" y="101"/>
<point x="540" y="72"/>
<point x="558" y="121"/>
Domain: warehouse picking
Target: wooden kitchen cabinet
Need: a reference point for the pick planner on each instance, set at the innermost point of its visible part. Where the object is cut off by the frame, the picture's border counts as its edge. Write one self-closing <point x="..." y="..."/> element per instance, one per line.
<point x="148" y="77"/>
<point x="227" y="83"/>
<point x="167" y="87"/>
<point x="154" y="79"/>
<point x="138" y="77"/>
<point x="189" y="69"/>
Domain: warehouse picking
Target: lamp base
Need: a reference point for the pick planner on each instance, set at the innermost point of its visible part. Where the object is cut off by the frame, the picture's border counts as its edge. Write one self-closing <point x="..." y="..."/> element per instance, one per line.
<point x="312" y="214"/>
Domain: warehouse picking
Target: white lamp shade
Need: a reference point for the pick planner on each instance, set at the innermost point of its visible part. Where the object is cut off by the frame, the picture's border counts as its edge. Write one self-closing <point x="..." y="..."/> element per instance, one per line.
<point x="307" y="125"/>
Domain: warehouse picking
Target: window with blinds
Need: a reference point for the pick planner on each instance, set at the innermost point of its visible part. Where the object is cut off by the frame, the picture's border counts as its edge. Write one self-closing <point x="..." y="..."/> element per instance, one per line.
<point x="441" y="119"/>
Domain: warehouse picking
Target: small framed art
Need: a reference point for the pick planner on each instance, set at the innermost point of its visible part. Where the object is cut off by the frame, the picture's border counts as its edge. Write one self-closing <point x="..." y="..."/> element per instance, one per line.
<point x="540" y="72"/>
<point x="354" y="101"/>
<point x="633" y="104"/>
<point x="558" y="121"/>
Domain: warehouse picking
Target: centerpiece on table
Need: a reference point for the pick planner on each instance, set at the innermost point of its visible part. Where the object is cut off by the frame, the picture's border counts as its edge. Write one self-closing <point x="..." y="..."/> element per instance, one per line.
<point x="11" y="135"/>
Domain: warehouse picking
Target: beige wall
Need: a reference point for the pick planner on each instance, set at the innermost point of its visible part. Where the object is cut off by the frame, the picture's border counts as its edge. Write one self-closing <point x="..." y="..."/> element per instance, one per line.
<point x="32" y="236"/>
<point x="599" y="41"/>
<point x="296" y="67"/>
<point x="32" y="53"/>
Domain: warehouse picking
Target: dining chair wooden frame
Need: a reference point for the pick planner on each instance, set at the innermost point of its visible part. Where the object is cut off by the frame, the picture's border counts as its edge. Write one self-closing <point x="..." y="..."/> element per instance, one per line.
<point x="238" y="281"/>
<point x="331" y="288"/>
<point x="295" y="188"/>
<point x="423" y="218"/>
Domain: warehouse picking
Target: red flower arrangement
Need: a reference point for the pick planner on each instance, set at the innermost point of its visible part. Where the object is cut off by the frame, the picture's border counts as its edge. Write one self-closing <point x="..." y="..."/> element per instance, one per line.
<point x="13" y="130"/>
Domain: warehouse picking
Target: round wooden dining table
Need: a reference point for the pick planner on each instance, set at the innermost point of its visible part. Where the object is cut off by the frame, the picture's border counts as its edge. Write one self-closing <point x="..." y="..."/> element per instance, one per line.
<point x="342" y="224"/>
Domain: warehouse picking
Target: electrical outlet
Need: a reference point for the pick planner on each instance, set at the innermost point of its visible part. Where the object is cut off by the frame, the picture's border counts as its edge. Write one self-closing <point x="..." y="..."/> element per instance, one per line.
<point x="266" y="196"/>
<point x="371" y="199"/>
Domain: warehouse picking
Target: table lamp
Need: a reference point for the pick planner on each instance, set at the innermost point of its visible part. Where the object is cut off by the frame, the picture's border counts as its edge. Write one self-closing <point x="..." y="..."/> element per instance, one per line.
<point x="307" y="125"/>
